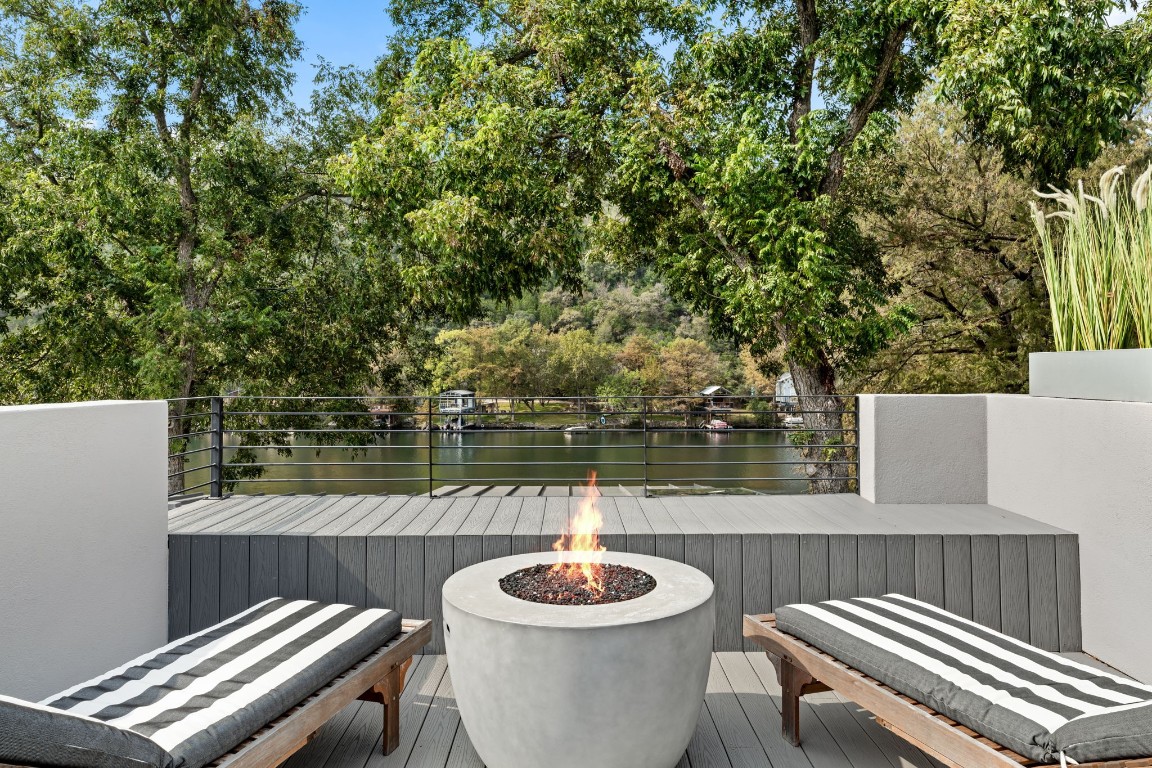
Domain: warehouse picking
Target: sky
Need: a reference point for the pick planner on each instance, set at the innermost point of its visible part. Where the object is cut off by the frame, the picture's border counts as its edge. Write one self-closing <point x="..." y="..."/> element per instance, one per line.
<point x="341" y="31"/>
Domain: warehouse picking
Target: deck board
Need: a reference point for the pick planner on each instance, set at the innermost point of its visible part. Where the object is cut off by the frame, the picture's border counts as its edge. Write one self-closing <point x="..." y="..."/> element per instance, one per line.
<point x="739" y="727"/>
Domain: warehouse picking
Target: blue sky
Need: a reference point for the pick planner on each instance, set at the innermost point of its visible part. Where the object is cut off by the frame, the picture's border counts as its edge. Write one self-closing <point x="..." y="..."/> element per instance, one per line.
<point x="341" y="31"/>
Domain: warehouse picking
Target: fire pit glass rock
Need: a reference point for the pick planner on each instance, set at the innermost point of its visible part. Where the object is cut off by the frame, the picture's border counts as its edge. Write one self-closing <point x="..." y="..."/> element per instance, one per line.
<point x="614" y="685"/>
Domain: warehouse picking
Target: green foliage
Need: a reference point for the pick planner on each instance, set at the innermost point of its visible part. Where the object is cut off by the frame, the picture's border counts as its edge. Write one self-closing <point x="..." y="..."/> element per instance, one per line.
<point x="160" y="235"/>
<point x="620" y="390"/>
<point x="954" y="230"/>
<point x="522" y="360"/>
<point x="511" y="359"/>
<point x="689" y="138"/>
<point x="1099" y="272"/>
<point x="1049" y="83"/>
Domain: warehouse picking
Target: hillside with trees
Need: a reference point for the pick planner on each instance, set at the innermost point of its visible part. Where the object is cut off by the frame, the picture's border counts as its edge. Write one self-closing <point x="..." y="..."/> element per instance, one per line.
<point x="623" y="334"/>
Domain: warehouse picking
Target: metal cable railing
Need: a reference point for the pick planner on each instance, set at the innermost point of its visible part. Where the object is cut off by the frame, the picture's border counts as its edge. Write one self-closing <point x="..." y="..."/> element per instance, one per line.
<point x="418" y="444"/>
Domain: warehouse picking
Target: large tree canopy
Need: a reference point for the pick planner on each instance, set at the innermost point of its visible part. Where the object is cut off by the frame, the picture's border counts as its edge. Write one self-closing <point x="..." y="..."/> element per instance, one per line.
<point x="717" y="141"/>
<point x="160" y="236"/>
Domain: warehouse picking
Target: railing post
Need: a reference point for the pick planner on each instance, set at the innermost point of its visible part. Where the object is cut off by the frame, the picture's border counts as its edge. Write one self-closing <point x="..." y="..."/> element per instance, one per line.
<point x="856" y="436"/>
<point x="644" y="427"/>
<point x="429" y="425"/>
<point x="216" y="446"/>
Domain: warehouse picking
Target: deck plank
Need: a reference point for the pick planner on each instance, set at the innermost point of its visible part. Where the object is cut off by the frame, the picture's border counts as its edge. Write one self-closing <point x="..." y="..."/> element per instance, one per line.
<point x="498" y="535"/>
<point x="1043" y="621"/>
<point x="900" y="553"/>
<point x="669" y="537"/>
<point x="434" y="744"/>
<point x="763" y="714"/>
<point x="526" y="534"/>
<point x="728" y="556"/>
<point x="819" y="744"/>
<point x="380" y="551"/>
<point x="958" y="574"/>
<point x="410" y="557"/>
<point x="1068" y="591"/>
<point x="1014" y="586"/>
<point x="437" y="564"/>
<point x="900" y="753"/>
<point x="930" y="568"/>
<point x="986" y="580"/>
<point x="641" y="539"/>
<point x="861" y="750"/>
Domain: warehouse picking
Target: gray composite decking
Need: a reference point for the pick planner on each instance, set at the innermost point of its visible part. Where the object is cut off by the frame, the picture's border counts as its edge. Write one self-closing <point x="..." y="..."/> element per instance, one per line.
<point x="998" y="568"/>
<point x="739" y="727"/>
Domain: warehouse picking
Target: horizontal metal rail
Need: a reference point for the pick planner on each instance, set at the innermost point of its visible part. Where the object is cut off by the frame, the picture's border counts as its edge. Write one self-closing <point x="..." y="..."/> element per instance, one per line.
<point x="236" y="432"/>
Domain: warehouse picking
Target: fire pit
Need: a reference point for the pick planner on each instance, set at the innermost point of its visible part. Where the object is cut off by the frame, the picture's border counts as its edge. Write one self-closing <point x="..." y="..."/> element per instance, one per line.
<point x="579" y="658"/>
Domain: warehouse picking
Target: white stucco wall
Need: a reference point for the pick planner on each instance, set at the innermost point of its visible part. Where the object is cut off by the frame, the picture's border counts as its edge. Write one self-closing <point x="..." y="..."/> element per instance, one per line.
<point x="1086" y="466"/>
<point x="923" y="449"/>
<point x="83" y="541"/>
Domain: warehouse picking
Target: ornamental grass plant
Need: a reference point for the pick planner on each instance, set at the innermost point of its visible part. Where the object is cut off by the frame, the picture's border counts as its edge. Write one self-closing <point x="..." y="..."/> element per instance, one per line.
<point x="1097" y="259"/>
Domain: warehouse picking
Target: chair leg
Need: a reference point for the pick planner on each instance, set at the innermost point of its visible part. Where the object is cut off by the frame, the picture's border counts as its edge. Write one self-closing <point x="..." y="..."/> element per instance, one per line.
<point x="792" y="683"/>
<point x="393" y="685"/>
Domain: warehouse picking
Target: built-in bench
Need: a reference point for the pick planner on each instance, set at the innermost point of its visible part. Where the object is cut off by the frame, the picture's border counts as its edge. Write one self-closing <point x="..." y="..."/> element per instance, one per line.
<point x="997" y="568"/>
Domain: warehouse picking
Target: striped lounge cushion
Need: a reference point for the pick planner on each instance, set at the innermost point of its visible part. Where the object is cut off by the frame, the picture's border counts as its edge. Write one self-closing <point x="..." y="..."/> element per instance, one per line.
<point x="33" y="734"/>
<point x="1038" y="704"/>
<point x="202" y="695"/>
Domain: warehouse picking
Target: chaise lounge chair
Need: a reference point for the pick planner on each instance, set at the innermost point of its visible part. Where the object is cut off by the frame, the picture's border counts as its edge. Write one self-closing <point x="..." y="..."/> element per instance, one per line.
<point x="245" y="693"/>
<point x="966" y="695"/>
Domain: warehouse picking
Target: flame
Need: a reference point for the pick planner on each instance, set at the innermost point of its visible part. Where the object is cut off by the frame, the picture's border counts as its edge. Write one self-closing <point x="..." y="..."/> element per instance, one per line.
<point x="584" y="536"/>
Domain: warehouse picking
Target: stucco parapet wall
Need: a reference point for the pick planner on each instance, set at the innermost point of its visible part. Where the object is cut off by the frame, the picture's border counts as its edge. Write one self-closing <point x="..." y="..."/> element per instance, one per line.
<point x="1083" y="465"/>
<point x="83" y="555"/>
<point x="924" y="449"/>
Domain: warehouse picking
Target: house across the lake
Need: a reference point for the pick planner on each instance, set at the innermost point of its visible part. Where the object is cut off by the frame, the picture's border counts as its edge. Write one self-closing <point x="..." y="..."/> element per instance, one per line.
<point x="785" y="392"/>
<point x="458" y="401"/>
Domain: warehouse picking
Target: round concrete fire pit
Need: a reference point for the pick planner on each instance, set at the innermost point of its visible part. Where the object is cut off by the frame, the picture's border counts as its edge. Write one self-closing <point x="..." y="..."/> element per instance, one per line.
<point x="617" y="685"/>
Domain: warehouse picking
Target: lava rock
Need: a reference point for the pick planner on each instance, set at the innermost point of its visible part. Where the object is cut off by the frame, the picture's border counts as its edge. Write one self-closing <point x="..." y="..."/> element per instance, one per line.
<point x="542" y="584"/>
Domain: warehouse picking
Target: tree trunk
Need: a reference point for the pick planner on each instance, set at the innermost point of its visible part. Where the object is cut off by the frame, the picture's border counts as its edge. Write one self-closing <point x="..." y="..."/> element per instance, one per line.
<point x="176" y="463"/>
<point x="821" y="410"/>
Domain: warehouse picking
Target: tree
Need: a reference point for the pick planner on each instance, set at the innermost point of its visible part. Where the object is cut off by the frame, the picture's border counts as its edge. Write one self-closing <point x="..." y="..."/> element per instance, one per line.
<point x="691" y="137"/>
<point x="164" y="236"/>
<point x="687" y="366"/>
<point x="955" y="231"/>
<point x="579" y="364"/>
<point x="1045" y="84"/>
<point x="508" y="360"/>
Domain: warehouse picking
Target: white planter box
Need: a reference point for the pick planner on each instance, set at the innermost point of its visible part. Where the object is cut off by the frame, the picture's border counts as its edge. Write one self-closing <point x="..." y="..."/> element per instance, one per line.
<point x="1114" y="374"/>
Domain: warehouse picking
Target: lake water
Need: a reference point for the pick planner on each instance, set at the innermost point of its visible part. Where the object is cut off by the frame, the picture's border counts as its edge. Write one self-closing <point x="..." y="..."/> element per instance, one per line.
<point x="397" y="461"/>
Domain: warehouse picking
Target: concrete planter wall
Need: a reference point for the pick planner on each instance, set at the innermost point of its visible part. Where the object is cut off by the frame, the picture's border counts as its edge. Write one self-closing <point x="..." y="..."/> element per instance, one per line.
<point x="1114" y="374"/>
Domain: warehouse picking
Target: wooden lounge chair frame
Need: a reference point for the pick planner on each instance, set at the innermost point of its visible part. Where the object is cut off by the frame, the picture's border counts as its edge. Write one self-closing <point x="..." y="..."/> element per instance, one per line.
<point x="803" y="669"/>
<point x="378" y="677"/>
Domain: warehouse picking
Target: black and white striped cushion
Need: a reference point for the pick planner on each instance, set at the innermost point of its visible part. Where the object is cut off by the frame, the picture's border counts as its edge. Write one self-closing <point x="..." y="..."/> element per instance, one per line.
<point x="1036" y="703"/>
<point x="201" y="695"/>
<point x="33" y="734"/>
